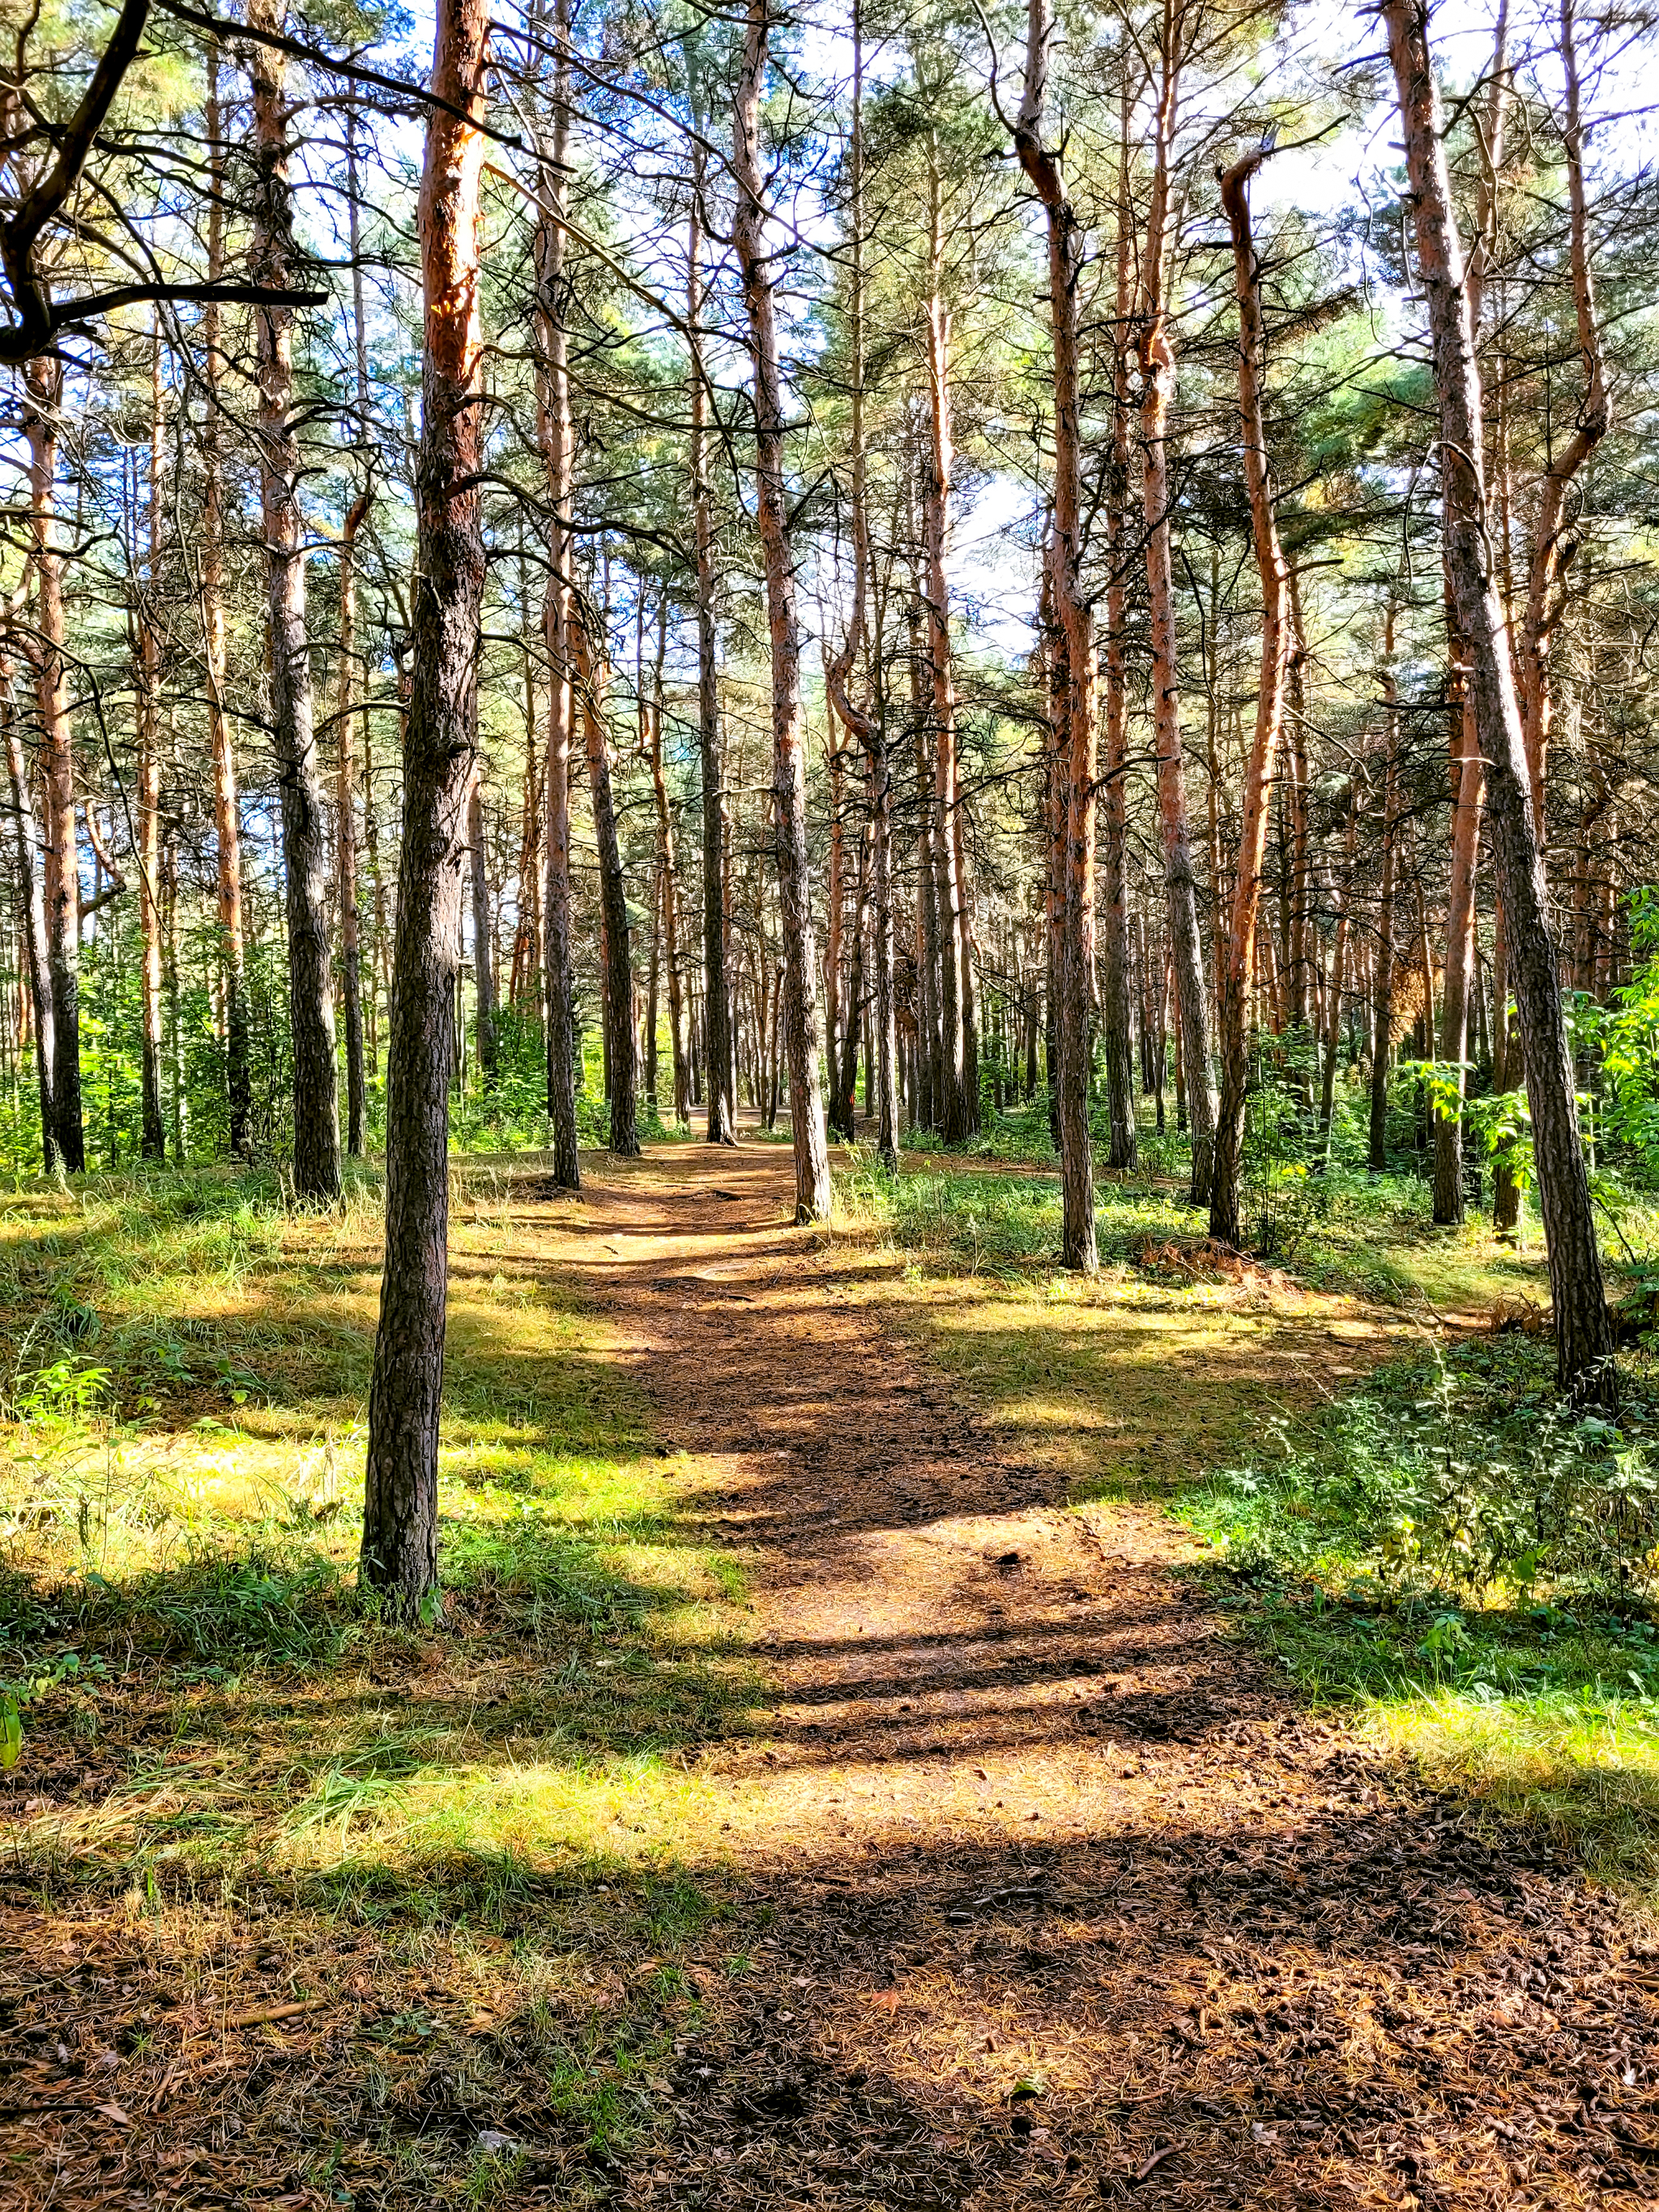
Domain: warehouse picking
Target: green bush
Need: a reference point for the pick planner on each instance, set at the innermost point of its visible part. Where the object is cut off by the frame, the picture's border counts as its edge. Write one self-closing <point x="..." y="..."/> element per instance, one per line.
<point x="1463" y="1481"/>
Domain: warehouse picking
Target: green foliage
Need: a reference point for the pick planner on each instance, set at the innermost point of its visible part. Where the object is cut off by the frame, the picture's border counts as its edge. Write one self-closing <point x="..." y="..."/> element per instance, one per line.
<point x="1463" y="1483"/>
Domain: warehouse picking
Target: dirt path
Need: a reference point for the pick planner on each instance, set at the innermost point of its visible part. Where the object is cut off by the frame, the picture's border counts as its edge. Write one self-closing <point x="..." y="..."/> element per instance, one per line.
<point x="1067" y="1903"/>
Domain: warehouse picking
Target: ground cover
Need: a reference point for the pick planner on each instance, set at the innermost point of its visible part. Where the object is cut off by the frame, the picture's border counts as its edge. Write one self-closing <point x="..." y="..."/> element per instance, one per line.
<point x="819" y="1792"/>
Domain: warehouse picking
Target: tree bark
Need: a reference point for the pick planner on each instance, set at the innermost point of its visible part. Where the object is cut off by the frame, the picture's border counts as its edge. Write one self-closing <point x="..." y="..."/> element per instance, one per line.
<point x="1074" y="736"/>
<point x="43" y="397"/>
<point x="613" y="902"/>
<point x="226" y="812"/>
<point x="1114" y="791"/>
<point x="669" y="872"/>
<point x="273" y="259"/>
<point x="345" y="789"/>
<point x="1553" y="541"/>
<point x="1584" y="1332"/>
<point x="957" y="1117"/>
<point x="863" y="718"/>
<point x="1238" y="976"/>
<point x="1158" y="373"/>
<point x="400" y="1517"/>
<point x="483" y="970"/>
<point x="1468" y="792"/>
<point x="153" y="1141"/>
<point x="1382" y="992"/>
<point x="557" y="435"/>
<point x="716" y="1000"/>
<point x="26" y="853"/>
<point x="813" y="1191"/>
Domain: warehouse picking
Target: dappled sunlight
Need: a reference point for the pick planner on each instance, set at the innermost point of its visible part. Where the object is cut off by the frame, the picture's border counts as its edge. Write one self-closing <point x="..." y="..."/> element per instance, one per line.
<point x="816" y="1774"/>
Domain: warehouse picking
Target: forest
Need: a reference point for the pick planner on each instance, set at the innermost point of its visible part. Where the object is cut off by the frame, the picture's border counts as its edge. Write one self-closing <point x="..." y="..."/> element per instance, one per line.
<point x="829" y="1104"/>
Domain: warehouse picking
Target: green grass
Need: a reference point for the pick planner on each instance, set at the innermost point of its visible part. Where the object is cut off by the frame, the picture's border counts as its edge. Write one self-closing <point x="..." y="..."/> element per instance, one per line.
<point x="216" y="1732"/>
<point x="1366" y="1519"/>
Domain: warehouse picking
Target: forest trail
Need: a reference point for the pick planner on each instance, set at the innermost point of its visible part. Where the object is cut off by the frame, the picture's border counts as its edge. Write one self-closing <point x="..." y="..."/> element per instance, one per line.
<point x="1068" y="1901"/>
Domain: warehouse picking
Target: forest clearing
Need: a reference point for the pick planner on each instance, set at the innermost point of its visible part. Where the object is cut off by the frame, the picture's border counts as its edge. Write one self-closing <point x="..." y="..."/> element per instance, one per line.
<point x="828" y="1106"/>
<point x="812" y="1797"/>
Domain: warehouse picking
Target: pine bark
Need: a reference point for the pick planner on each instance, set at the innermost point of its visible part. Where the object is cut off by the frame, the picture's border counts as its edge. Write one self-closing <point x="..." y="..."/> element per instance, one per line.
<point x="226" y="809"/>
<point x="718" y="1043"/>
<point x="1584" y="1332"/>
<point x="26" y="853"/>
<point x="1157" y="373"/>
<point x="305" y="854"/>
<point x="956" y="1114"/>
<point x="400" y="1518"/>
<point x="1114" y="1026"/>
<point x="613" y="904"/>
<point x="42" y="397"/>
<point x="484" y="966"/>
<point x="345" y="787"/>
<point x="1075" y="656"/>
<point x="1238" y="976"/>
<point x="557" y="435"/>
<point x="152" y="1143"/>
<point x="813" y="1192"/>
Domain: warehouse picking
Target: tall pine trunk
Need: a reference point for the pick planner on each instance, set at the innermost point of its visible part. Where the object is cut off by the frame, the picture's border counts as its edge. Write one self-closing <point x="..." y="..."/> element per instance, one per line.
<point x="1074" y="686"/>
<point x="619" y="1042"/>
<point x="1115" y="792"/>
<point x="1238" y="976"/>
<point x="153" y="1142"/>
<point x="956" y="1116"/>
<point x="43" y="397"/>
<point x="26" y="855"/>
<point x="304" y="856"/>
<point x="226" y="809"/>
<point x="557" y="436"/>
<point x="717" y="1037"/>
<point x="1583" y="1331"/>
<point x="813" y="1192"/>
<point x="400" y="1515"/>
<point x="1157" y="371"/>
<point x="345" y="788"/>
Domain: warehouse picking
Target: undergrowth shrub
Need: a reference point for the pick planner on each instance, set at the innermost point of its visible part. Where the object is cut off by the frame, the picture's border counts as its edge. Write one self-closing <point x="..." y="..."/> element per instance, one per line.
<point x="1463" y="1481"/>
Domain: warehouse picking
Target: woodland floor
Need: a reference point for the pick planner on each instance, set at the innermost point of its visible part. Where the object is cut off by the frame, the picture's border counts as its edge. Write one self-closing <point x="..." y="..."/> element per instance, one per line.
<point x="1007" y="1875"/>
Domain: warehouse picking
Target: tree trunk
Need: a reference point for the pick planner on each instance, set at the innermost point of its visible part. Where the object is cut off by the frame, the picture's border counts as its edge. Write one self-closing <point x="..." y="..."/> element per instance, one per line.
<point x="867" y="722"/>
<point x="1468" y="782"/>
<point x="1338" y="968"/>
<point x="1553" y="542"/>
<point x="613" y="903"/>
<point x="345" y="791"/>
<point x="1075" y="655"/>
<point x="717" y="1009"/>
<point x="1114" y="793"/>
<point x="152" y="1140"/>
<point x="26" y="852"/>
<point x="316" y="1110"/>
<point x="226" y="816"/>
<point x="557" y="436"/>
<point x="669" y="872"/>
<point x="1238" y="976"/>
<point x="813" y="1191"/>
<point x="1382" y="992"/>
<point x="1584" y="1332"/>
<point x="838" y="1112"/>
<point x="400" y="1517"/>
<point x="484" y="970"/>
<point x="42" y="396"/>
<point x="956" y="1116"/>
<point x="1157" y="371"/>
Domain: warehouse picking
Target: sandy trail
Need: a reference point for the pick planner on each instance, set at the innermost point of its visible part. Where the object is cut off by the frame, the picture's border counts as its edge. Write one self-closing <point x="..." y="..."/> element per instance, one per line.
<point x="1070" y="1903"/>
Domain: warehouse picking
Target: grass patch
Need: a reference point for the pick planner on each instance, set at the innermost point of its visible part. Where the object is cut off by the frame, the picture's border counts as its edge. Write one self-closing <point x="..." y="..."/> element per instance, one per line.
<point x="214" y="1729"/>
<point x="1433" y="1543"/>
<point x="1474" y="1567"/>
